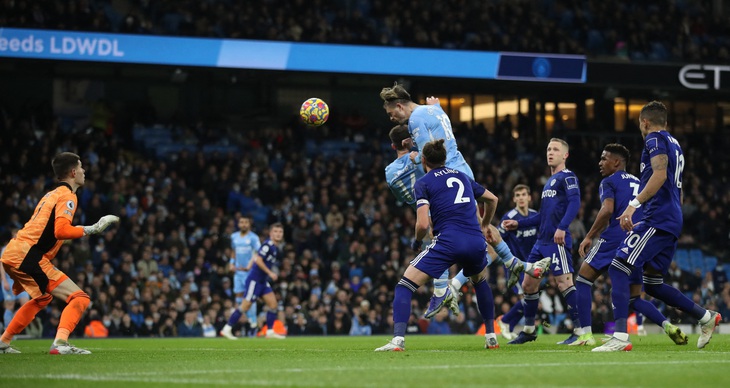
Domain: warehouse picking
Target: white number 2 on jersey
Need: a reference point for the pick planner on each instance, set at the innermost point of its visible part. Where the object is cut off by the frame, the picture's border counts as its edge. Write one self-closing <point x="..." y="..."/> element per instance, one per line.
<point x="460" y="198"/>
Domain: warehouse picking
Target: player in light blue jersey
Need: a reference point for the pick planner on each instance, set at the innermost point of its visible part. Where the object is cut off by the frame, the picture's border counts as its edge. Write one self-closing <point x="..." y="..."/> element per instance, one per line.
<point x="244" y="243"/>
<point x="520" y="242"/>
<point x="559" y="206"/>
<point x="426" y="123"/>
<point x="445" y="198"/>
<point x="402" y="174"/>
<point x="615" y="191"/>
<point x="651" y="242"/>
<point x="257" y="284"/>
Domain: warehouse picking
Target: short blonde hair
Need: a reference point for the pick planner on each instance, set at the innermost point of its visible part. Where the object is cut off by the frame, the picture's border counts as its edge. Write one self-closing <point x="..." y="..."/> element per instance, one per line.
<point x="561" y="141"/>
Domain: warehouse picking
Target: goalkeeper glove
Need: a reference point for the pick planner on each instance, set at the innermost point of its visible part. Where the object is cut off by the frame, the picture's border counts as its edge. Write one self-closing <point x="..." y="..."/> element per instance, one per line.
<point x="101" y="226"/>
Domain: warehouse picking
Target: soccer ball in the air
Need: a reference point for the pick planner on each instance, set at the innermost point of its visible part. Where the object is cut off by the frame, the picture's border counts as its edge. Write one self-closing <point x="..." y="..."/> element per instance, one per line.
<point x="314" y="112"/>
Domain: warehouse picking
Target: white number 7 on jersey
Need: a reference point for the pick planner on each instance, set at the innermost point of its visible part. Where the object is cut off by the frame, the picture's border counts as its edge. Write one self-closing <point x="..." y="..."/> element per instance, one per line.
<point x="460" y="198"/>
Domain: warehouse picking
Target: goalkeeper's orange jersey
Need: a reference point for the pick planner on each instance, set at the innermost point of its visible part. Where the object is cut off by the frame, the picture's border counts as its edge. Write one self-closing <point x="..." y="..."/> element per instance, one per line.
<point x="37" y="240"/>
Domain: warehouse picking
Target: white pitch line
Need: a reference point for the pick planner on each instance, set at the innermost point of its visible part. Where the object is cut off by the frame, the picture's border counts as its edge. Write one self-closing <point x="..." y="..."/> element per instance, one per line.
<point x="134" y="376"/>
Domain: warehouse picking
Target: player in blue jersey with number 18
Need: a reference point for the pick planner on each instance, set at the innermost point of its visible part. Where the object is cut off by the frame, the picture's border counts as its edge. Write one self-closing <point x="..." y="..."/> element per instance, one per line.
<point x="615" y="191"/>
<point x="651" y="243"/>
<point x="257" y="284"/>
<point x="559" y="206"/>
<point x="427" y="123"/>
<point x="446" y="197"/>
<point x="244" y="243"/>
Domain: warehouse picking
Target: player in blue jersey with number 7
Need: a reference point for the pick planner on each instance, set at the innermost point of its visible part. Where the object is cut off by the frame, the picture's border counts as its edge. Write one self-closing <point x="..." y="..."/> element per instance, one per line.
<point x="559" y="206"/>
<point x="651" y="243"/>
<point x="446" y="198"/>
<point x="427" y="123"/>
<point x="615" y="191"/>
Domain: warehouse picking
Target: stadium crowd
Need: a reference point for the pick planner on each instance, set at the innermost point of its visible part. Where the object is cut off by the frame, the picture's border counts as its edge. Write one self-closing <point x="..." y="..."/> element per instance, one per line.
<point x="657" y="30"/>
<point x="164" y="270"/>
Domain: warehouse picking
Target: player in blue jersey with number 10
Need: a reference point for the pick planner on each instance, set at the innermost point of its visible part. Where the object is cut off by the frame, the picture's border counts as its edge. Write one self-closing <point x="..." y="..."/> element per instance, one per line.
<point x="446" y="197"/>
<point x="427" y="123"/>
<point x="651" y="243"/>
<point x="615" y="191"/>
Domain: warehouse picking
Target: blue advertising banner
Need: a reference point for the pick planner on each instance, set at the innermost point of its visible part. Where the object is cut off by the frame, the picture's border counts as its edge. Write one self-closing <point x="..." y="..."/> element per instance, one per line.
<point x="266" y="55"/>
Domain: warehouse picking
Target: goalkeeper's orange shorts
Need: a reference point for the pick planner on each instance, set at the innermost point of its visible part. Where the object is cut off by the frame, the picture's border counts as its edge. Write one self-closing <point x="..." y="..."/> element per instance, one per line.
<point x="40" y="279"/>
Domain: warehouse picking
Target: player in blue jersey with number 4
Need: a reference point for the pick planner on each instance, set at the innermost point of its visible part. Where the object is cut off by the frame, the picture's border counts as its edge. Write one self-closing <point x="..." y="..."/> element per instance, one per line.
<point x="244" y="243"/>
<point x="257" y="284"/>
<point x="651" y="243"/>
<point x="446" y="198"/>
<point x="615" y="191"/>
<point x="427" y="123"/>
<point x="559" y="206"/>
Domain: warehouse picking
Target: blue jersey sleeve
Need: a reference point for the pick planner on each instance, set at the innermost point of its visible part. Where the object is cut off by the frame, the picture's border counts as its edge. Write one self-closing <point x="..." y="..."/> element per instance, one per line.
<point x="572" y="192"/>
<point x="477" y="188"/>
<point x="655" y="146"/>
<point x="533" y="220"/>
<point x="421" y="194"/>
<point x="606" y="190"/>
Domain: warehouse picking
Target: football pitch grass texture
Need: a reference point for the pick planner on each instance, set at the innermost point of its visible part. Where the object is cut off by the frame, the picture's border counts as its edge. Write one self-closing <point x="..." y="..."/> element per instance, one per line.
<point x="448" y="361"/>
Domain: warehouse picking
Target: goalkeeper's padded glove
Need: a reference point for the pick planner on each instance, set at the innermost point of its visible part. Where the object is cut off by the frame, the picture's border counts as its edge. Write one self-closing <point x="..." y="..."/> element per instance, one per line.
<point x="101" y="225"/>
<point x="416" y="244"/>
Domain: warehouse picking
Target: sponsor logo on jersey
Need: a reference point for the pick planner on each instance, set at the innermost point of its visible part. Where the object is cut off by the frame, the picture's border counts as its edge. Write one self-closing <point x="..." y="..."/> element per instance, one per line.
<point x="71" y="205"/>
<point x="549" y="193"/>
<point x="552" y="183"/>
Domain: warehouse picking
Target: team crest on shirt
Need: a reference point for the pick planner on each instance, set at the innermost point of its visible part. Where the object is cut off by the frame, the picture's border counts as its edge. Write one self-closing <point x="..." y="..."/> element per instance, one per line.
<point x="71" y="205"/>
<point x="552" y="183"/>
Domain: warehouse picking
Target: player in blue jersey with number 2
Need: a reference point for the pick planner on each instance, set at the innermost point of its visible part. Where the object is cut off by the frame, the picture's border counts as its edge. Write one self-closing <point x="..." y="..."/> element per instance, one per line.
<point x="244" y="243"/>
<point x="651" y="242"/>
<point x="559" y="206"/>
<point x="615" y="191"/>
<point x="257" y="284"/>
<point x="427" y="123"/>
<point x="446" y="198"/>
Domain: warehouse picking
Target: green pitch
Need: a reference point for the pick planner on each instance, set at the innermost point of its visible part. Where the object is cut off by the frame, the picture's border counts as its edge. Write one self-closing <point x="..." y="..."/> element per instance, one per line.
<point x="447" y="361"/>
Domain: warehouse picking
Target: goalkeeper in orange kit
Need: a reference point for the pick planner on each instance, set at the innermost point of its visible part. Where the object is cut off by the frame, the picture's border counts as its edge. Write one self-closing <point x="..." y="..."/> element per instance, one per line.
<point x="27" y="258"/>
